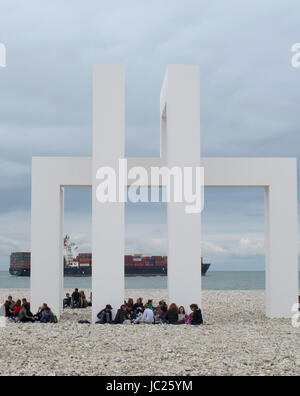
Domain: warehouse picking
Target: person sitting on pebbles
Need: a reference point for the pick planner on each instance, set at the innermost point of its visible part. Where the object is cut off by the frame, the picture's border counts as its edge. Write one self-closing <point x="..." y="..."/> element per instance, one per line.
<point x="147" y="317"/>
<point x="150" y="304"/>
<point x="172" y="314"/>
<point x="128" y="319"/>
<point x="121" y="315"/>
<point x="75" y="299"/>
<point x="138" y="305"/>
<point x="182" y="316"/>
<point x="25" y="314"/>
<point x="47" y="315"/>
<point x="105" y="316"/>
<point x="17" y="308"/>
<point x="196" y="318"/>
<point x="83" y="300"/>
<point x="9" y="307"/>
<point x="67" y="301"/>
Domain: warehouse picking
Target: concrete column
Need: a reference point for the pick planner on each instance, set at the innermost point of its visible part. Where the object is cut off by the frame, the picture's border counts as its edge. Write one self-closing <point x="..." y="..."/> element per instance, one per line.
<point x="281" y="244"/>
<point x="108" y="218"/>
<point x="46" y="240"/>
<point x="182" y="94"/>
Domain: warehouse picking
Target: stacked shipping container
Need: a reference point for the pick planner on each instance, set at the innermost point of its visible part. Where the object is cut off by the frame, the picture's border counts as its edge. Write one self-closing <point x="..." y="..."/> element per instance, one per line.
<point x="137" y="265"/>
<point x="85" y="260"/>
<point x="20" y="263"/>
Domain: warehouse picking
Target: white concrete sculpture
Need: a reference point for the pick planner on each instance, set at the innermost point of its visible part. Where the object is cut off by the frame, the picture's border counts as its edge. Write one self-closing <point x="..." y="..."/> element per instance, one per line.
<point x="180" y="146"/>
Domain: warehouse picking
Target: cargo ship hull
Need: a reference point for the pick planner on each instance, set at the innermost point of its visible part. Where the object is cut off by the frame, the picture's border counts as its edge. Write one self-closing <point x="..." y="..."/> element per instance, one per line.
<point x="132" y="268"/>
<point x="129" y="272"/>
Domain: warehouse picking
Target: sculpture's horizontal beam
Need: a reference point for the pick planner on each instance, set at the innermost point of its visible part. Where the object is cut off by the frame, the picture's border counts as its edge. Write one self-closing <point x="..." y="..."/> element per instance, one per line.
<point x="219" y="172"/>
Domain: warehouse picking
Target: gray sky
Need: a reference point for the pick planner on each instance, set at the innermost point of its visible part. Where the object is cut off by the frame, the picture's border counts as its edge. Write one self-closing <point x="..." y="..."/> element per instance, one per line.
<point x="249" y="104"/>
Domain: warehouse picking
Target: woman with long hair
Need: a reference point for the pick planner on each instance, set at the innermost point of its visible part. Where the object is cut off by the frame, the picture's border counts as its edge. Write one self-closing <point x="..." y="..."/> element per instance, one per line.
<point x="172" y="314"/>
<point x="182" y="316"/>
<point x="161" y="311"/>
<point x="130" y="304"/>
<point x="83" y="300"/>
<point x="138" y="306"/>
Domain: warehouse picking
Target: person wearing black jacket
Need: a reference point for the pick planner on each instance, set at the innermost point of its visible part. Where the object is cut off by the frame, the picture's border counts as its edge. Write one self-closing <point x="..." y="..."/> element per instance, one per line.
<point x="121" y="315"/>
<point x="138" y="305"/>
<point x="172" y="314"/>
<point x="197" y="318"/>
<point x="9" y="306"/>
<point x="26" y="305"/>
<point x="76" y="299"/>
<point x="105" y="316"/>
<point x="25" y="315"/>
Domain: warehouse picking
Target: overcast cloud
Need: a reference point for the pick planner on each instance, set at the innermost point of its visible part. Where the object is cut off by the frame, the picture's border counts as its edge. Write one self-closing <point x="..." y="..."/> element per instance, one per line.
<point x="249" y="104"/>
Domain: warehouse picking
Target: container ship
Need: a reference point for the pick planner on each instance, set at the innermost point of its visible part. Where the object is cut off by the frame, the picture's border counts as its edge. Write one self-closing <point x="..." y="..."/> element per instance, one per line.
<point x="81" y="265"/>
<point x="137" y="265"/>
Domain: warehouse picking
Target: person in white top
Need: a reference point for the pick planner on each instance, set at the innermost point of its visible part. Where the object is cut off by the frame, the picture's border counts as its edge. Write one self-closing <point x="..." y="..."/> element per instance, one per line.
<point x="147" y="317"/>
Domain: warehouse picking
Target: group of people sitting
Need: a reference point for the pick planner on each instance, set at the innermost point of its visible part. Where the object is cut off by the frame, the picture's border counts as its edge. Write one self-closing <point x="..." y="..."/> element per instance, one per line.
<point x="77" y="300"/>
<point x="129" y="312"/>
<point x="136" y="313"/>
<point x="19" y="311"/>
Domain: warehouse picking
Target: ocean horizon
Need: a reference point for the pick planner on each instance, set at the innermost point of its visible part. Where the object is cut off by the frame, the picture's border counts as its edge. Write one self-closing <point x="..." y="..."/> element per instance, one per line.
<point x="214" y="280"/>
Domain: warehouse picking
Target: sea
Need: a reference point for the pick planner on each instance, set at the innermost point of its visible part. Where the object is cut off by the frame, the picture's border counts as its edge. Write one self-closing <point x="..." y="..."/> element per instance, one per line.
<point x="214" y="280"/>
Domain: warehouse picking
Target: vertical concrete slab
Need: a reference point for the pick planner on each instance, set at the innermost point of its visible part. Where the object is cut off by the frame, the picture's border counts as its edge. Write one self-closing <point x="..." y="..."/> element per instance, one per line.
<point x="281" y="242"/>
<point x="182" y="92"/>
<point x="108" y="218"/>
<point x="46" y="239"/>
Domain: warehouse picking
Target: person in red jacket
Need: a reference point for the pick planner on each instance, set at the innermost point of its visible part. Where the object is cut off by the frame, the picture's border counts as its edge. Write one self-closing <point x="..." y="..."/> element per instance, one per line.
<point x="17" y="308"/>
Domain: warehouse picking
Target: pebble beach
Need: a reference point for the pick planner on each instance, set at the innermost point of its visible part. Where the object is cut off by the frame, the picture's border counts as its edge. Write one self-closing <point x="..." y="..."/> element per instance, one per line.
<point x="236" y="339"/>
